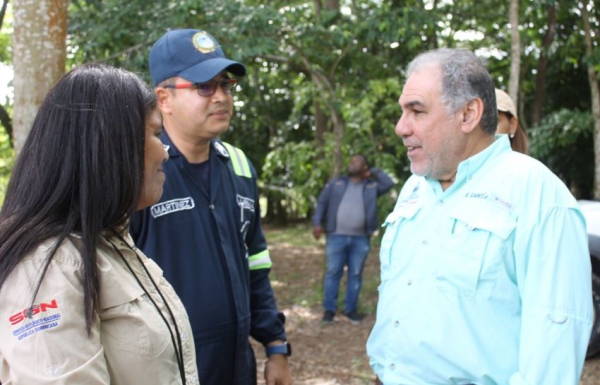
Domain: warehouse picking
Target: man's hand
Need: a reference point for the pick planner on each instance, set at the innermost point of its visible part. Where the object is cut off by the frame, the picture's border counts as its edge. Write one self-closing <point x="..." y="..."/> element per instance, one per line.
<point x="317" y="232"/>
<point x="277" y="370"/>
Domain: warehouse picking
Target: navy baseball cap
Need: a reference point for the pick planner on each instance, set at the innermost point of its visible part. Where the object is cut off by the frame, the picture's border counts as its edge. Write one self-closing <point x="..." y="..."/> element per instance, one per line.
<point x="191" y="54"/>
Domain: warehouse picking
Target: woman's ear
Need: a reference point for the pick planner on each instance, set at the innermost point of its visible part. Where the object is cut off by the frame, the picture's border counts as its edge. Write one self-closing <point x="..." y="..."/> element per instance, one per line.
<point x="471" y="115"/>
<point x="513" y="126"/>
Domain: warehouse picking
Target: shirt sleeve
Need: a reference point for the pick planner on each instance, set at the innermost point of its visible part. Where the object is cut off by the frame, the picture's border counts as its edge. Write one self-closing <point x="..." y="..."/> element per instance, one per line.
<point x="554" y="278"/>
<point x="267" y="323"/>
<point x="51" y="346"/>
<point x="322" y="203"/>
<point x="384" y="182"/>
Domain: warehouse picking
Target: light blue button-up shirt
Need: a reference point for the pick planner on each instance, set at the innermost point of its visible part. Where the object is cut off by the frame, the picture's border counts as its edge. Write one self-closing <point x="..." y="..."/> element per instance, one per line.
<point x="488" y="282"/>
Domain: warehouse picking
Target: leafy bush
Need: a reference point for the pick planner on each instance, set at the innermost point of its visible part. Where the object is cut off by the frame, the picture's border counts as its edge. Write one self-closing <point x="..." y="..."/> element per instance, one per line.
<point x="564" y="142"/>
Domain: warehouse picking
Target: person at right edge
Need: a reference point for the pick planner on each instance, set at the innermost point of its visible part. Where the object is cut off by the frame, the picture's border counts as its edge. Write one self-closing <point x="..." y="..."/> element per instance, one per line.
<point x="205" y="232"/>
<point x="485" y="269"/>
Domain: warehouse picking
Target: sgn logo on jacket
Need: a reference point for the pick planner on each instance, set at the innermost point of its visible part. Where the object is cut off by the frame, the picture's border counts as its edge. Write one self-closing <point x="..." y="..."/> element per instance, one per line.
<point x="31" y="311"/>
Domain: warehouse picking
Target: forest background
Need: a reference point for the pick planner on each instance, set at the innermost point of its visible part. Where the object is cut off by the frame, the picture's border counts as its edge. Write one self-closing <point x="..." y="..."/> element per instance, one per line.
<point x="324" y="76"/>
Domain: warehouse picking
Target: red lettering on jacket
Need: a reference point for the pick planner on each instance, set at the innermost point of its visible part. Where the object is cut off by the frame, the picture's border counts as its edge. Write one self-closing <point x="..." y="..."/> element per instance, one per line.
<point x="33" y="310"/>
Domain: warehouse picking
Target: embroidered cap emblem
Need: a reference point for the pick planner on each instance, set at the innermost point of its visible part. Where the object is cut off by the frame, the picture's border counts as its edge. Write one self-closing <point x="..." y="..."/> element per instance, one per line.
<point x="203" y="42"/>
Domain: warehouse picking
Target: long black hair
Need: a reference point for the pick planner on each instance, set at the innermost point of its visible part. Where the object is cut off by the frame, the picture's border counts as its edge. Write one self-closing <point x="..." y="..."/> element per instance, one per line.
<point x="79" y="172"/>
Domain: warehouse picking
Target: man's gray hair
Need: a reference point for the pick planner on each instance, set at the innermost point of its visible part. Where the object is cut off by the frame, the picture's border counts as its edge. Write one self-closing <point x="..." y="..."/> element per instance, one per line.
<point x="464" y="78"/>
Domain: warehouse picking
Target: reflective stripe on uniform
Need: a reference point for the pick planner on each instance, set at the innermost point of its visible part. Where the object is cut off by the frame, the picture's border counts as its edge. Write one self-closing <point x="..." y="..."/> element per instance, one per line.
<point x="261" y="260"/>
<point x="241" y="167"/>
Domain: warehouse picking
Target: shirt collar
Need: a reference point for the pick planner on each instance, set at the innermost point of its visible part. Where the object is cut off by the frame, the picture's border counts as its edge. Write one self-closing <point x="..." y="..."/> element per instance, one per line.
<point x="174" y="151"/>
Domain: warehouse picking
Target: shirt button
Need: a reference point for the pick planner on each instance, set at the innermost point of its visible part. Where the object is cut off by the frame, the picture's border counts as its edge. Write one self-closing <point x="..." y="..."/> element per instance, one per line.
<point x="396" y="323"/>
<point x="392" y="366"/>
<point x="409" y="282"/>
<point x="425" y="243"/>
<point x="212" y="207"/>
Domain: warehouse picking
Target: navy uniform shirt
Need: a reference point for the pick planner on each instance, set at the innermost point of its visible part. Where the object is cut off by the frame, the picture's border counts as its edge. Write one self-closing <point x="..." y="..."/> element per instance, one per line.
<point x="210" y="244"/>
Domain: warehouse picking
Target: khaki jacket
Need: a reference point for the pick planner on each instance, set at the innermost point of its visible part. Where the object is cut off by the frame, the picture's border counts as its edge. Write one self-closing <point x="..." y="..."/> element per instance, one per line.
<point x="129" y="343"/>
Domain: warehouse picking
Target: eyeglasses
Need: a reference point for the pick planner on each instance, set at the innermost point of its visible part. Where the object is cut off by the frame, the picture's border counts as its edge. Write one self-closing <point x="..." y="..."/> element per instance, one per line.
<point x="208" y="88"/>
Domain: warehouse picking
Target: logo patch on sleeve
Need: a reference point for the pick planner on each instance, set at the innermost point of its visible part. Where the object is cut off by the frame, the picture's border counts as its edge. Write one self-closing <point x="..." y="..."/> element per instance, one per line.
<point x="245" y="204"/>
<point x="35" y="319"/>
<point x="172" y="206"/>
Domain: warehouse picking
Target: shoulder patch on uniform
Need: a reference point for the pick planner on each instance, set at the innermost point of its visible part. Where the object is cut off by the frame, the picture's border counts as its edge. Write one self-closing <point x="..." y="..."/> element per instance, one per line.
<point x="172" y="206"/>
<point x="221" y="149"/>
<point x="37" y="318"/>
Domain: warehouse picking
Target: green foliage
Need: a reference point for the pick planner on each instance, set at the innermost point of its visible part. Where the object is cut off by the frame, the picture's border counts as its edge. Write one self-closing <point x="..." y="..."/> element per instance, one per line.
<point x="5" y="47"/>
<point x="6" y="163"/>
<point x="6" y="150"/>
<point x="553" y="142"/>
<point x="291" y="172"/>
<point x="121" y="33"/>
<point x="362" y="50"/>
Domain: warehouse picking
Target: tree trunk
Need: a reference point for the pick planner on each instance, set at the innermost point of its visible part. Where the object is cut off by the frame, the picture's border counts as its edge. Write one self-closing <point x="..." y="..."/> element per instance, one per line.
<point x="336" y="118"/>
<point x="39" y="48"/>
<point x="540" y="77"/>
<point x="338" y="134"/>
<point x="321" y="128"/>
<point x="593" y="79"/>
<point x="332" y="5"/>
<point x="515" y="51"/>
<point x="317" y="5"/>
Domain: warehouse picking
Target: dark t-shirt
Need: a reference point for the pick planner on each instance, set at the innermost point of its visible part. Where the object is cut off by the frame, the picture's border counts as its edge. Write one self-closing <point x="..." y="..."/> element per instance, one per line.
<point x="201" y="172"/>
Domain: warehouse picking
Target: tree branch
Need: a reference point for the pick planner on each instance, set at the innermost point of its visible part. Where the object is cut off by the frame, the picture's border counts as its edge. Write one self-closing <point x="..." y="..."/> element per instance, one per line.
<point x="282" y="59"/>
<point x="342" y="55"/>
<point x="125" y="51"/>
<point x="3" y="12"/>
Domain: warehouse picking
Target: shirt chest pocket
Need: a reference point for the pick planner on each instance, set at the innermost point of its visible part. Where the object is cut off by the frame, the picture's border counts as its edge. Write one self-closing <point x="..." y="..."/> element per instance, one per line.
<point x="472" y="250"/>
<point x="392" y="223"/>
<point x="129" y="320"/>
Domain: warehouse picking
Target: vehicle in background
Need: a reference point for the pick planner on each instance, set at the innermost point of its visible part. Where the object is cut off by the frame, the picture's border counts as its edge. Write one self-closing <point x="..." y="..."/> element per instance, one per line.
<point x="591" y="211"/>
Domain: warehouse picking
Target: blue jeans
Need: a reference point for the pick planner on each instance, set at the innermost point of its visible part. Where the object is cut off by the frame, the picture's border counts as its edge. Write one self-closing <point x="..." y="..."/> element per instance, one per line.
<point x="345" y="250"/>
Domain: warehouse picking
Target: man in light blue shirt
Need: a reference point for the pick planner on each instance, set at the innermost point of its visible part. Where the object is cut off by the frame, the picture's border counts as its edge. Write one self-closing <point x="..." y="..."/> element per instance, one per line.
<point x="485" y="271"/>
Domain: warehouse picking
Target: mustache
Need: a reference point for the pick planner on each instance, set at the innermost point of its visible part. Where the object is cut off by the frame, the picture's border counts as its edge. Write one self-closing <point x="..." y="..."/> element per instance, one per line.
<point x="219" y="110"/>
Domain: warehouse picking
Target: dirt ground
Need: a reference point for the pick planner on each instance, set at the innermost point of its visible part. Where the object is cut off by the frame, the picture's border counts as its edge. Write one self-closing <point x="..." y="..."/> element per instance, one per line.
<point x="330" y="354"/>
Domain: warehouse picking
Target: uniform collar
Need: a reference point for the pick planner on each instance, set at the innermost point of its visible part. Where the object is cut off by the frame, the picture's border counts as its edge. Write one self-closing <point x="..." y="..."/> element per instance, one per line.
<point x="215" y="145"/>
<point x="219" y="148"/>
<point x="173" y="150"/>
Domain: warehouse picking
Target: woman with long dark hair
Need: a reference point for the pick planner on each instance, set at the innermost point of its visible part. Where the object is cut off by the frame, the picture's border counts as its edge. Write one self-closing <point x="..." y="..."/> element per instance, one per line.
<point x="78" y="302"/>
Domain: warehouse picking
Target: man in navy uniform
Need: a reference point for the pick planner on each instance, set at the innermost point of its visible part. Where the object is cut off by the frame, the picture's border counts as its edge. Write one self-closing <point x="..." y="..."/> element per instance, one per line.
<point x="206" y="232"/>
